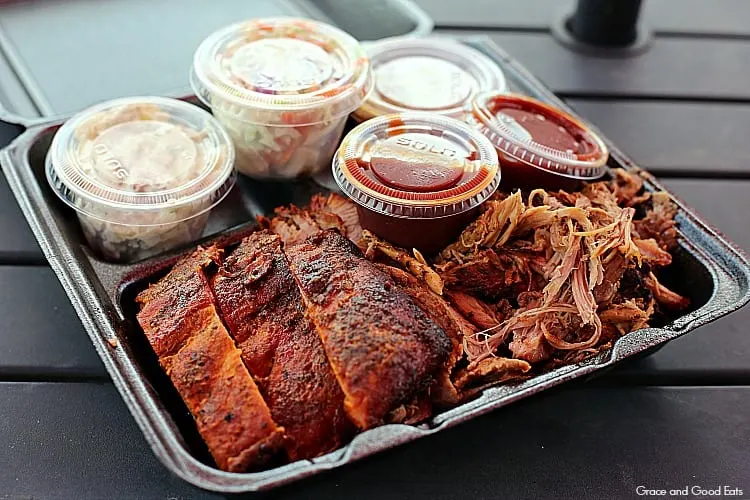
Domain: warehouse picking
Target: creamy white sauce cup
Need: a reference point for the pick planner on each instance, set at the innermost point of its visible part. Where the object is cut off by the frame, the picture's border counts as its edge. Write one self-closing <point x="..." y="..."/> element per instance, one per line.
<point x="433" y="75"/>
<point x="142" y="174"/>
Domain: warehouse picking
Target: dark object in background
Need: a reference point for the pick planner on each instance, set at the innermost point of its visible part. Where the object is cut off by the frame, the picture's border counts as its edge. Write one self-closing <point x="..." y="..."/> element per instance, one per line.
<point x="603" y="28"/>
<point x="611" y="23"/>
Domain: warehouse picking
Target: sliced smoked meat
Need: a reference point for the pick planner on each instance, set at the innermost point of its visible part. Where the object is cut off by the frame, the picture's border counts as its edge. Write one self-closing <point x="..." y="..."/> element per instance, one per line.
<point x="344" y="209"/>
<point x="183" y="327"/>
<point x="292" y="223"/>
<point x="262" y="306"/>
<point x="382" y="347"/>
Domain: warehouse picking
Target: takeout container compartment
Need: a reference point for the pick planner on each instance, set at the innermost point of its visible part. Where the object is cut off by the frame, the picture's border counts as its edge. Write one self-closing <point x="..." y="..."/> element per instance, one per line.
<point x="431" y="74"/>
<point x="141" y="173"/>
<point x="417" y="179"/>
<point x="282" y="88"/>
<point x="706" y="268"/>
<point x="539" y="145"/>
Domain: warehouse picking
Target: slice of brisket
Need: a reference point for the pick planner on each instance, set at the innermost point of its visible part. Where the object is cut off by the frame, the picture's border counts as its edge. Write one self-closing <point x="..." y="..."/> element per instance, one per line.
<point x="291" y="223"/>
<point x="382" y="347"/>
<point x="263" y="309"/>
<point x="295" y="224"/>
<point x="452" y="323"/>
<point x="183" y="327"/>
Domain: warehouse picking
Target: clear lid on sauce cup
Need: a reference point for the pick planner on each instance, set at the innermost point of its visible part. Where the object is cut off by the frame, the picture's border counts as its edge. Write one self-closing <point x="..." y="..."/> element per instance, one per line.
<point x="141" y="155"/>
<point x="538" y="134"/>
<point x="427" y="74"/>
<point x="284" y="70"/>
<point x="416" y="165"/>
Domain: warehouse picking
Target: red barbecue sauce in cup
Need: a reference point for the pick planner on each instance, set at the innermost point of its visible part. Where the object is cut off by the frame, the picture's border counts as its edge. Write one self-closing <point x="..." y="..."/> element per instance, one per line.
<point x="538" y="145"/>
<point x="417" y="179"/>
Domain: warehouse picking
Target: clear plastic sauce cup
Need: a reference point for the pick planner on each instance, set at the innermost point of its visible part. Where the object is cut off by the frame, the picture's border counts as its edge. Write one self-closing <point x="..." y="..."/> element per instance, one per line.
<point x="417" y="178"/>
<point x="426" y="74"/>
<point x="283" y="88"/>
<point x="142" y="174"/>
<point x="539" y="146"/>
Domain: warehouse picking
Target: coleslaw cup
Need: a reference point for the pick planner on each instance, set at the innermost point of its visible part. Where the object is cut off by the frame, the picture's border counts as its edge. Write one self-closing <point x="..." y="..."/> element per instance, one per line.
<point x="142" y="174"/>
<point x="282" y="88"/>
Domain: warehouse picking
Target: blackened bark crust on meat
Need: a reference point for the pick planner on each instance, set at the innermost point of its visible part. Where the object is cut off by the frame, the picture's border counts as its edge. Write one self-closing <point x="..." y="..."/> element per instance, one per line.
<point x="263" y="308"/>
<point x="453" y="324"/>
<point x="183" y="327"/>
<point x="487" y="275"/>
<point x="382" y="347"/>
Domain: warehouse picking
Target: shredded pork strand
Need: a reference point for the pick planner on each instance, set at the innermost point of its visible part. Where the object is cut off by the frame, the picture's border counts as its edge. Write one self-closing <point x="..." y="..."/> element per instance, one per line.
<point x="493" y="228"/>
<point x="577" y="245"/>
<point x="415" y="264"/>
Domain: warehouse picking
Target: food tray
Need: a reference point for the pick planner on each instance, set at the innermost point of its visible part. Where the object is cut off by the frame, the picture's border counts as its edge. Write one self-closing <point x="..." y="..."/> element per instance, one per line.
<point x="707" y="268"/>
<point x="55" y="60"/>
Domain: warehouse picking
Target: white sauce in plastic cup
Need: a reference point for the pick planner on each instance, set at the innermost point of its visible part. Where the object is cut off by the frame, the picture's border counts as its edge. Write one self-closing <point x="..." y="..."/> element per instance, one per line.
<point x="434" y="75"/>
<point x="142" y="174"/>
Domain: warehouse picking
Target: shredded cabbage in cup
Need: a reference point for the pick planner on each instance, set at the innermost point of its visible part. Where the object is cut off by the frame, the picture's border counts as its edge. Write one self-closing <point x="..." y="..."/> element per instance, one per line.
<point x="282" y="152"/>
<point x="283" y="89"/>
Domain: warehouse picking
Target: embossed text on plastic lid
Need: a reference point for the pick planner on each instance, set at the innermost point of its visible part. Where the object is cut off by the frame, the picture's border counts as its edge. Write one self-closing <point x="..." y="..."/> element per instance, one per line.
<point x="427" y="74"/>
<point x="528" y="132"/>
<point x="141" y="154"/>
<point x="269" y="66"/>
<point x="416" y="165"/>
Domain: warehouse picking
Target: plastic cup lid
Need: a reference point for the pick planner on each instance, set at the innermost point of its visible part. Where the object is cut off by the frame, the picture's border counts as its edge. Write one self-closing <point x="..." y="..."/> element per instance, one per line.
<point x="141" y="153"/>
<point x="416" y="165"/>
<point x="538" y="134"/>
<point x="427" y="74"/>
<point x="283" y="64"/>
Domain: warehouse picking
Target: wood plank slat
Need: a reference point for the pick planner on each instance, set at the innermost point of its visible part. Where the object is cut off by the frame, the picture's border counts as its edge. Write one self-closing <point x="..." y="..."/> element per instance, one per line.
<point x="685" y="69"/>
<point x="41" y="337"/>
<point x="17" y="243"/>
<point x="723" y="203"/>
<point x="676" y="138"/>
<point x="79" y="441"/>
<point x="715" y="354"/>
<point x="685" y="17"/>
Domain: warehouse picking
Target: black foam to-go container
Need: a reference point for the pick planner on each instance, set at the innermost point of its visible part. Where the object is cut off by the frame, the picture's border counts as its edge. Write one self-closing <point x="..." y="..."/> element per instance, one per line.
<point x="711" y="271"/>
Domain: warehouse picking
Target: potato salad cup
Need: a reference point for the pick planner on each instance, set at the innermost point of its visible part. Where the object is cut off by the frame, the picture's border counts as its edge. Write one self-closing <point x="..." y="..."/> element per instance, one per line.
<point x="142" y="173"/>
<point x="283" y="88"/>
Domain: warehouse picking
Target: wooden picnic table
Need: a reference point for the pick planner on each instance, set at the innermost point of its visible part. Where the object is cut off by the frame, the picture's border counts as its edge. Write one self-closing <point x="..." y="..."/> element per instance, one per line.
<point x="679" y="417"/>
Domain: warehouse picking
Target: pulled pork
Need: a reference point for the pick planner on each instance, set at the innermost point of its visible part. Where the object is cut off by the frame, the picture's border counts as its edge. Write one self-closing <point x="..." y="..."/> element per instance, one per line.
<point x="551" y="278"/>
